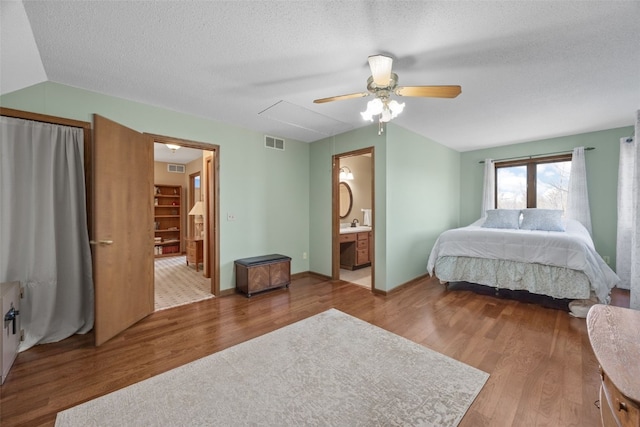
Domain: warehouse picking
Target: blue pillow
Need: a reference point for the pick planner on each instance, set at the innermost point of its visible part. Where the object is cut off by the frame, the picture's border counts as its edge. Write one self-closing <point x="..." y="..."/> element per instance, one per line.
<point x="542" y="219"/>
<point x="502" y="218"/>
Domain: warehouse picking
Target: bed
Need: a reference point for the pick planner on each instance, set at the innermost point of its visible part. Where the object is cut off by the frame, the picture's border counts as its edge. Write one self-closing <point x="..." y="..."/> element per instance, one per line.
<point x="560" y="264"/>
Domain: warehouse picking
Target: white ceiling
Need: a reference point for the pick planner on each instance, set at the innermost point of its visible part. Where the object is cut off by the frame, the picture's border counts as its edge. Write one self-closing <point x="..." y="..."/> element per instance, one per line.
<point x="528" y="70"/>
<point x="182" y="156"/>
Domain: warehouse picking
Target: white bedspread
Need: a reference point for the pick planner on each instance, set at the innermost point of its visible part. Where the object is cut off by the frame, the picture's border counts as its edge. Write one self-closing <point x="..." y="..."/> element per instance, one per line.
<point x="572" y="249"/>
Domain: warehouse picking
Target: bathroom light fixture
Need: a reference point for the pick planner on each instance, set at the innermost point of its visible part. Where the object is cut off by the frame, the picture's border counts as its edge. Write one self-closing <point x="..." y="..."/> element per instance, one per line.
<point x="173" y="147"/>
<point x="344" y="175"/>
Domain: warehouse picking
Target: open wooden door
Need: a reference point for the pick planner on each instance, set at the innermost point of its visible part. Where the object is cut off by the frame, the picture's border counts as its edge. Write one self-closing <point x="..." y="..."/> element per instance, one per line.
<point x="123" y="227"/>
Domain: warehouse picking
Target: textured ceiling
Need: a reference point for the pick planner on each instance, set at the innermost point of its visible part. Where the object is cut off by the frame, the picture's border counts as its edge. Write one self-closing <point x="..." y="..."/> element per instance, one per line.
<point x="528" y="70"/>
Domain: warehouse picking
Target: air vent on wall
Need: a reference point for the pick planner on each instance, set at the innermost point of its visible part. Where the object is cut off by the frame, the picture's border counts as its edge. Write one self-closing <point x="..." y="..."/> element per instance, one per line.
<point x="273" y="142"/>
<point x="175" y="168"/>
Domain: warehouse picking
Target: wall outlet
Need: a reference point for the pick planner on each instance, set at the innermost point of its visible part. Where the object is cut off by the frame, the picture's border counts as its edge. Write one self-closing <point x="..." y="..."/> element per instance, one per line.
<point x="304" y="255"/>
<point x="231" y="217"/>
<point x="607" y="259"/>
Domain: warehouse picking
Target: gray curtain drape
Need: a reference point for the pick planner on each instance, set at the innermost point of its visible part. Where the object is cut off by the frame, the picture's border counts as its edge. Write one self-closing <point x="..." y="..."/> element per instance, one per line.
<point x="44" y="240"/>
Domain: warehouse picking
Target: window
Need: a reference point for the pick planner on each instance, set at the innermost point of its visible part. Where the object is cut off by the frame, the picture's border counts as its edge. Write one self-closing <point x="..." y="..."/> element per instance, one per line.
<point x="541" y="182"/>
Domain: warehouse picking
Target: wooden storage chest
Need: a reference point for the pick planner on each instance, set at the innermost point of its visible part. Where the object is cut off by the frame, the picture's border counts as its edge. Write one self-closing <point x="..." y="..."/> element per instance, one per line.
<point x="263" y="272"/>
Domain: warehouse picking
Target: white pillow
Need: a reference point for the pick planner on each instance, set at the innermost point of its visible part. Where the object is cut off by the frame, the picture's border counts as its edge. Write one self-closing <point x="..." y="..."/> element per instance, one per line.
<point x="502" y="218"/>
<point x="542" y="219"/>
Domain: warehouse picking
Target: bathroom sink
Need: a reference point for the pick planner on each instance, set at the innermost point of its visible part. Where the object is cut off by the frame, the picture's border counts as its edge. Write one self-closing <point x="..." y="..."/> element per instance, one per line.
<point x="357" y="229"/>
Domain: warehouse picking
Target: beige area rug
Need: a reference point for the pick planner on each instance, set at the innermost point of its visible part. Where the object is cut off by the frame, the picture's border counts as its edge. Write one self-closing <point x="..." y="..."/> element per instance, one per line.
<point x="178" y="284"/>
<point x="330" y="369"/>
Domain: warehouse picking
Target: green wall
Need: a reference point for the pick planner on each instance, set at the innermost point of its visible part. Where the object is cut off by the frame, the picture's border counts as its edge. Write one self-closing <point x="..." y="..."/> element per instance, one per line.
<point x="416" y="198"/>
<point x="282" y="199"/>
<point x="320" y="196"/>
<point x="267" y="190"/>
<point x="423" y="182"/>
<point x="602" y="178"/>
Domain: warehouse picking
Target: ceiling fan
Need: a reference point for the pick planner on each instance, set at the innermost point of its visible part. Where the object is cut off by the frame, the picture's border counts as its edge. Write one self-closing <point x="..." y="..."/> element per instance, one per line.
<point x="382" y="84"/>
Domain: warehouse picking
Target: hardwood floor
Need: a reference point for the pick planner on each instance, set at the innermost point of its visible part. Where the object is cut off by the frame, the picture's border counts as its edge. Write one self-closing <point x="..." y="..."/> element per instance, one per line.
<point x="543" y="371"/>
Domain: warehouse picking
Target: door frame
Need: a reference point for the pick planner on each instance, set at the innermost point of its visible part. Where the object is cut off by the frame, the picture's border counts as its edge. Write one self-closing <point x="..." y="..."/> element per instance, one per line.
<point x="211" y="212"/>
<point x="335" y="212"/>
<point x="212" y="225"/>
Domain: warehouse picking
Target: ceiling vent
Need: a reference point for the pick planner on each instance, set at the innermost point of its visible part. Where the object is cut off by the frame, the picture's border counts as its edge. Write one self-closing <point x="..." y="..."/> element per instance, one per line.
<point x="175" y="168"/>
<point x="273" y="142"/>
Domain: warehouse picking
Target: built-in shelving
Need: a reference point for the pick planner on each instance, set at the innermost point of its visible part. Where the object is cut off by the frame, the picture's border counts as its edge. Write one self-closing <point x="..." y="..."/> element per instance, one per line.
<point x="168" y="220"/>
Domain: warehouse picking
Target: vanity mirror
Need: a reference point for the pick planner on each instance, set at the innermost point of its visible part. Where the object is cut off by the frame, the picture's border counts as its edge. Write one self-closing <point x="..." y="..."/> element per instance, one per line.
<point x="346" y="199"/>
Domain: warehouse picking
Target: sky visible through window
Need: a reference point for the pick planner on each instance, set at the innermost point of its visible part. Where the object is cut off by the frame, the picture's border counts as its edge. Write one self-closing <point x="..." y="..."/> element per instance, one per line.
<point x="552" y="182"/>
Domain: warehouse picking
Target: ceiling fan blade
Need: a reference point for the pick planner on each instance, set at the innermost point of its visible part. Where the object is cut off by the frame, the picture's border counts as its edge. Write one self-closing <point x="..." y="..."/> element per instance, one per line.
<point x="341" y="97"/>
<point x="429" y="91"/>
<point x="380" y="69"/>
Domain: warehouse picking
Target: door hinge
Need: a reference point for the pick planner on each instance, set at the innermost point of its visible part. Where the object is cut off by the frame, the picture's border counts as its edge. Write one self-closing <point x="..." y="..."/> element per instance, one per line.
<point x="21" y="292"/>
<point x="21" y="334"/>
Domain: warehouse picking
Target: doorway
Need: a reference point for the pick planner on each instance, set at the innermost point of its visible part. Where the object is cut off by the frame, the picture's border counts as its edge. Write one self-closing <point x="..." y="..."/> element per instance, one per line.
<point x="122" y="266"/>
<point x="353" y="218"/>
<point x="197" y="264"/>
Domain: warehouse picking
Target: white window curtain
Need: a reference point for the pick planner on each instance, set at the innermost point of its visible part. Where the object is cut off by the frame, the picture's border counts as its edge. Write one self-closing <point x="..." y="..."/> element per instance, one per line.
<point x="625" y="211"/>
<point x="628" y="239"/>
<point x="578" y="197"/>
<point x="489" y="190"/>
<point x="44" y="240"/>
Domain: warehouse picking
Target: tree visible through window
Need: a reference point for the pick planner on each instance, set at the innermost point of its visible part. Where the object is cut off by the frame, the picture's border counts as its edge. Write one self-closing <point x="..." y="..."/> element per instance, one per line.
<point x="511" y="191"/>
<point x="533" y="183"/>
<point x="552" y="185"/>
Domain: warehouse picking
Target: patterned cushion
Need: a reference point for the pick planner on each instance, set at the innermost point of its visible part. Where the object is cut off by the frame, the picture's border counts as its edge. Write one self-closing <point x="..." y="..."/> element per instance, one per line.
<point x="502" y="218"/>
<point x="542" y="219"/>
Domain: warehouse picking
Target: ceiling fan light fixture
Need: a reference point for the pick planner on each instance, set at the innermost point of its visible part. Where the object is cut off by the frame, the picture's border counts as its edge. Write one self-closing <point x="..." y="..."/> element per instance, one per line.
<point x="386" y="116"/>
<point x="396" y="108"/>
<point x="387" y="110"/>
<point x="380" y="69"/>
<point x="374" y="107"/>
<point x="383" y="84"/>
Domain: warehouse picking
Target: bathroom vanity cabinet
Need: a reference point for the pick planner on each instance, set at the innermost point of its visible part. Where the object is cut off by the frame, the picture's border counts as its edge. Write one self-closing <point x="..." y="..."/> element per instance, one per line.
<point x="355" y="250"/>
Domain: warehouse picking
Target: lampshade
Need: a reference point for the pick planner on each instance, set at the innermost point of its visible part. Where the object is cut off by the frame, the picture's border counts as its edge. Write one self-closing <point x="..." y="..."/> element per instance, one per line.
<point x="380" y="69"/>
<point x="173" y="147"/>
<point x="197" y="209"/>
<point x="345" y="174"/>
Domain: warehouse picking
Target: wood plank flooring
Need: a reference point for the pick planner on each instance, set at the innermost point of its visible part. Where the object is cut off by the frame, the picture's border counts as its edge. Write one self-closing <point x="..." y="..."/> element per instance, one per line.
<point x="543" y="371"/>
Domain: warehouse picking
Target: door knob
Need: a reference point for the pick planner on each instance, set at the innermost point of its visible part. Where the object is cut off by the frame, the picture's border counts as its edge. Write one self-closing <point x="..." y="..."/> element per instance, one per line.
<point x="101" y="242"/>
